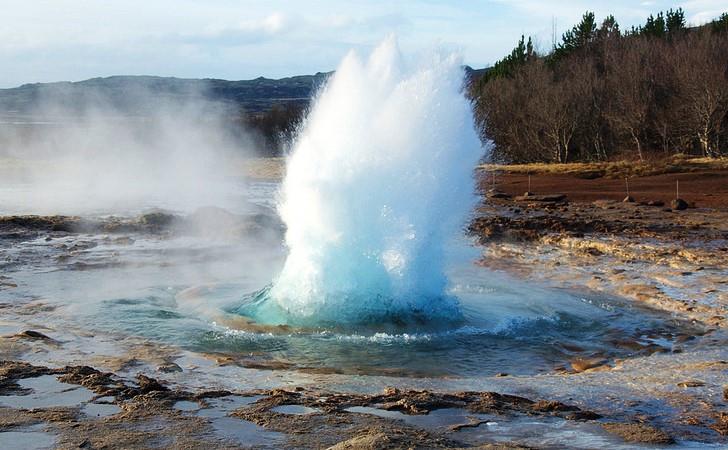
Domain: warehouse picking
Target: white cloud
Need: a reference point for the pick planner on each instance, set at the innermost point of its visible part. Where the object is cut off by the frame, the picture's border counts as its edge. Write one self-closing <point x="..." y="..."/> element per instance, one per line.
<point x="701" y="11"/>
<point x="76" y="39"/>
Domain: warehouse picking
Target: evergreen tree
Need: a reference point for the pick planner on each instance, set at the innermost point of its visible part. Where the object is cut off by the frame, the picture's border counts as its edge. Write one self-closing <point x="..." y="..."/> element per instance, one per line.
<point x="519" y="56"/>
<point x="581" y="35"/>
<point x="675" y="21"/>
<point x="655" y="26"/>
<point x="609" y="29"/>
<point x="720" y="25"/>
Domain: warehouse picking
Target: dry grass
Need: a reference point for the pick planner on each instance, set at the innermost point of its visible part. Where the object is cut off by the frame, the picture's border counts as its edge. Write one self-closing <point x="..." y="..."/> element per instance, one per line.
<point x="264" y="168"/>
<point x="616" y="169"/>
<point x="253" y="168"/>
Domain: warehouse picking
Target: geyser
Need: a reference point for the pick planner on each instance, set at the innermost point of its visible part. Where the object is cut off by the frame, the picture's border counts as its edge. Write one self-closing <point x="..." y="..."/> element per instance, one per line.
<point x="380" y="179"/>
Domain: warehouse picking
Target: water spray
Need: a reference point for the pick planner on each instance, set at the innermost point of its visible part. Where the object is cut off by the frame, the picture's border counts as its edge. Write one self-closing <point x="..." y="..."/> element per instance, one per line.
<point x="380" y="180"/>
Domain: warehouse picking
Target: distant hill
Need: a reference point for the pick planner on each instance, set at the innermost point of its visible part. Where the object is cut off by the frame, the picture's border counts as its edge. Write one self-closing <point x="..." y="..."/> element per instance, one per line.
<point x="133" y="94"/>
<point x="475" y="74"/>
<point x="137" y="94"/>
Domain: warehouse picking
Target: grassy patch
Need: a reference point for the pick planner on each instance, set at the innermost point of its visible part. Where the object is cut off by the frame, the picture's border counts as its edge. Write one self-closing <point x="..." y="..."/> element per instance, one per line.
<point x="614" y="169"/>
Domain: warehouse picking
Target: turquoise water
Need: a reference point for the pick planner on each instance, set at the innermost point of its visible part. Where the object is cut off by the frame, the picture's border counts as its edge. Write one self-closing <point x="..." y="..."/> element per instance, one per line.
<point x="505" y="325"/>
<point x="195" y="291"/>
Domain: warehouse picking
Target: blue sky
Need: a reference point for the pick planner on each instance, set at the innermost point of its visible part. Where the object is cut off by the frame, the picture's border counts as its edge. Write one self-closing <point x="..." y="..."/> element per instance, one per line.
<point x="52" y="40"/>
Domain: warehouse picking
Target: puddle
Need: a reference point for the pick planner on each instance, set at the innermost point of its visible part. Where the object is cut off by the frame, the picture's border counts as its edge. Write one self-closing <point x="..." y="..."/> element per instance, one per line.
<point x="100" y="409"/>
<point x="9" y="328"/>
<point x="527" y="431"/>
<point x="47" y="392"/>
<point x="30" y="438"/>
<point x="184" y="405"/>
<point x="232" y="428"/>
<point x="221" y="407"/>
<point x="544" y="433"/>
<point x="297" y="410"/>
<point x="438" y="418"/>
<point x="245" y="433"/>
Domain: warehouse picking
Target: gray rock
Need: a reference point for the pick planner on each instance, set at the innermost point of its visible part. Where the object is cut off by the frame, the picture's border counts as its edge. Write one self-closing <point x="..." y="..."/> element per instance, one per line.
<point x="679" y="204"/>
<point x="552" y="198"/>
<point x="169" y="368"/>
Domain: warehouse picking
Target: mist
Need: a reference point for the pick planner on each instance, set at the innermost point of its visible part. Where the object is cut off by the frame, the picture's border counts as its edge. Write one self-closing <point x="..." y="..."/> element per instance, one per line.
<point x="101" y="153"/>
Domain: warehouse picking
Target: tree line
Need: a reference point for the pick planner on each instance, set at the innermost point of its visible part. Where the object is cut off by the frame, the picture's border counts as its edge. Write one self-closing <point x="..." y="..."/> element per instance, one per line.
<point x="602" y="93"/>
<point x="274" y="129"/>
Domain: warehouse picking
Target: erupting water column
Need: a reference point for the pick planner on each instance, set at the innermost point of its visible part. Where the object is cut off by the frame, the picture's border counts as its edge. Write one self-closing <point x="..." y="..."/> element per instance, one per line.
<point x="380" y="179"/>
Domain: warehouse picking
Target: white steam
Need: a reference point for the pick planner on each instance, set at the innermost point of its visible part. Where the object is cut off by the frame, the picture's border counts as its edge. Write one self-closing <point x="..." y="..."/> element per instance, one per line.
<point x="90" y="156"/>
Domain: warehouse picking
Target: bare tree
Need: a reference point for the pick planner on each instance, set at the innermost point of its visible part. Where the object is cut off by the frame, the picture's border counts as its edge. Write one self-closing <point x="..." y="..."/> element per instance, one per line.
<point x="632" y="91"/>
<point x="702" y="67"/>
<point x="639" y="93"/>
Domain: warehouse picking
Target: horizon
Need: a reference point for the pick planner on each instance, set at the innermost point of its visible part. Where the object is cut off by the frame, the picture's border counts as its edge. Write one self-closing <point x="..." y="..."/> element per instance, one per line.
<point x="171" y="77"/>
<point x="244" y="40"/>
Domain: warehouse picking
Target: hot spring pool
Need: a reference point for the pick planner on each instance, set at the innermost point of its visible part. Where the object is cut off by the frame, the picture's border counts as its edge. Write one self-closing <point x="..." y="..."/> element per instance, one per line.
<point x="189" y="292"/>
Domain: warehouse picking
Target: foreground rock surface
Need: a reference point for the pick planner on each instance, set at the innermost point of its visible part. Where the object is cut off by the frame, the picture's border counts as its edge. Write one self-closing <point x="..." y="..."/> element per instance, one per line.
<point x="148" y="418"/>
<point x="674" y="261"/>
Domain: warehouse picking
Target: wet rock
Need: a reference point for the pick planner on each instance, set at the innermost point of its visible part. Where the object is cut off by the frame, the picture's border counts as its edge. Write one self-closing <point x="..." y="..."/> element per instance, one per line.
<point x="690" y="383"/>
<point x="55" y="414"/>
<point x="657" y="203"/>
<point x="679" y="204"/>
<point x="721" y="424"/>
<point x="35" y="335"/>
<point x="582" y="415"/>
<point x="422" y="402"/>
<point x="147" y="384"/>
<point x="492" y="402"/>
<point x="40" y="223"/>
<point x="169" y="368"/>
<point x="88" y="377"/>
<point x="500" y="446"/>
<point x="552" y="406"/>
<point x="157" y="219"/>
<point x="628" y="199"/>
<point x="472" y="423"/>
<point x="582" y="364"/>
<point x="639" y="433"/>
<point x="264" y="364"/>
<point x="374" y="441"/>
<point x="212" y="394"/>
<point x="628" y="344"/>
<point x="391" y="391"/>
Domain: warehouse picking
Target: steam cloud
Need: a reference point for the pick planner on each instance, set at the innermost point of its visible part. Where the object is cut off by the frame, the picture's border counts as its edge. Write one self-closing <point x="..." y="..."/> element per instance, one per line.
<point x="96" y="154"/>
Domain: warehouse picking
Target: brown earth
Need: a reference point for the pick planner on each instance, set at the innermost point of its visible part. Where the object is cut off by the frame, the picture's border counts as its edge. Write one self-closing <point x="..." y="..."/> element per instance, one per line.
<point x="706" y="189"/>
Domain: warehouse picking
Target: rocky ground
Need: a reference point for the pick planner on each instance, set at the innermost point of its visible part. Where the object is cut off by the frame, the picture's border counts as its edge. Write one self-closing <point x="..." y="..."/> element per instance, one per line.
<point x="146" y="413"/>
<point x="675" y="260"/>
<point x="646" y="251"/>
